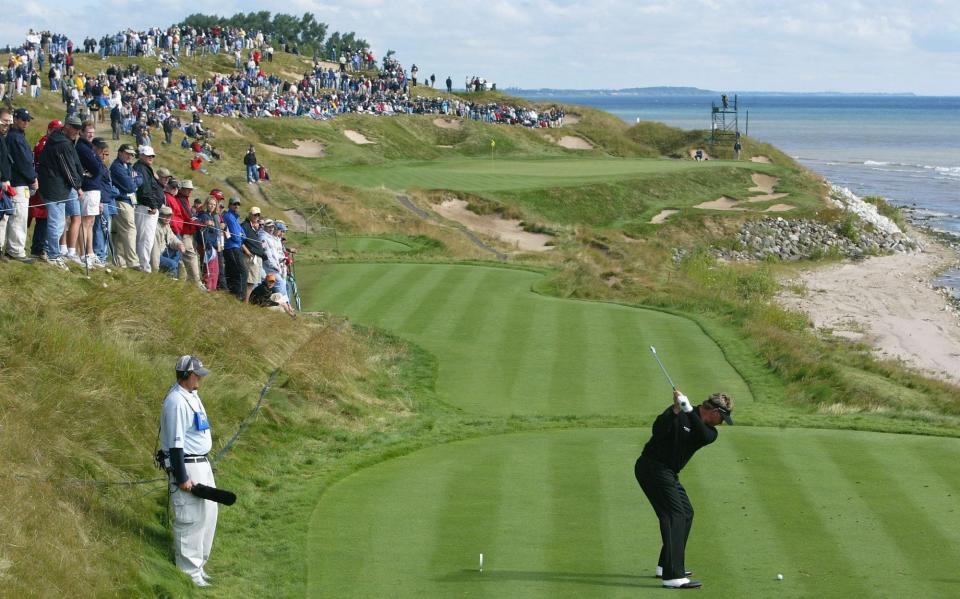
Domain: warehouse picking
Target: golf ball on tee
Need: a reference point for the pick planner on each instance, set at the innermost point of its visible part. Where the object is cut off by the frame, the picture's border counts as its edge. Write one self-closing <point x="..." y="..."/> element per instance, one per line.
<point x="779" y="576"/>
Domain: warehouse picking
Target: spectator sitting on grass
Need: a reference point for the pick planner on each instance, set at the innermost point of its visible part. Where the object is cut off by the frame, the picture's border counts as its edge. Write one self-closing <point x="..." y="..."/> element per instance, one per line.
<point x="167" y="247"/>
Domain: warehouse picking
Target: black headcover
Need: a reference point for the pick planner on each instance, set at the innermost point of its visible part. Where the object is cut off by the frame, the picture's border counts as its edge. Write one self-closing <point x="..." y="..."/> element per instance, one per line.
<point x="214" y="494"/>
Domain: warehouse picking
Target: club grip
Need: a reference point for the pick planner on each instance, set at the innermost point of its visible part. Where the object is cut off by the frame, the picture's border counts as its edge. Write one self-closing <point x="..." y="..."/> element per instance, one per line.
<point x="214" y="494"/>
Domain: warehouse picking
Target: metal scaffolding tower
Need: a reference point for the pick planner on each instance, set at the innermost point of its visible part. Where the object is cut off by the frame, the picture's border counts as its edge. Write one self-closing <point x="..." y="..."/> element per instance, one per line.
<point x="725" y="122"/>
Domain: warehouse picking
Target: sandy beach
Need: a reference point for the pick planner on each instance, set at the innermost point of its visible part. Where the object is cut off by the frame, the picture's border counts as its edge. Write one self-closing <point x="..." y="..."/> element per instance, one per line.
<point x="890" y="303"/>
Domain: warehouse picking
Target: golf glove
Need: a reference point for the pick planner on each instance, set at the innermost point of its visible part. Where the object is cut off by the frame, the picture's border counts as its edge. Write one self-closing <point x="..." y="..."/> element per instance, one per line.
<point x="684" y="403"/>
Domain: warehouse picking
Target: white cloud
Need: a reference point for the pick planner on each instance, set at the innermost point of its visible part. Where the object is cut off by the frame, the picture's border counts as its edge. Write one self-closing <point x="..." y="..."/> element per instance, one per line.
<point x="720" y="44"/>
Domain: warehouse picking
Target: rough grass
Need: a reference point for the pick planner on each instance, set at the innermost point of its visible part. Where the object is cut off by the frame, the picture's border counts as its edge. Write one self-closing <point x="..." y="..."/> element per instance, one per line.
<point x="85" y="366"/>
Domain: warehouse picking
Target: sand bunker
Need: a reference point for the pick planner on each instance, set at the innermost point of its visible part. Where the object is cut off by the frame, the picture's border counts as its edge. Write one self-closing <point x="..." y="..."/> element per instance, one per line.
<point x="767" y="197"/>
<point x="779" y="208"/>
<point x="721" y="203"/>
<point x="662" y="216"/>
<point x="763" y="183"/>
<point x="304" y="149"/>
<point x="447" y="123"/>
<point x="761" y="159"/>
<point x="494" y="226"/>
<point x="446" y="147"/>
<point x="357" y="137"/>
<point x="571" y="119"/>
<point x="571" y="142"/>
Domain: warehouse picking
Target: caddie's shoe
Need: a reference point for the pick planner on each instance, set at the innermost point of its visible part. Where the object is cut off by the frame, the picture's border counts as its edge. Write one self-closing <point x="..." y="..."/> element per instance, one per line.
<point x="205" y="576"/>
<point x="682" y="583"/>
<point x="659" y="573"/>
<point x="200" y="581"/>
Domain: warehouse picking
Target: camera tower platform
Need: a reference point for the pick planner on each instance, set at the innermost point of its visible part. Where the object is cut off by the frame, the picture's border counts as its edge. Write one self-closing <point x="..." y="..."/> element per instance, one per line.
<point x="725" y="123"/>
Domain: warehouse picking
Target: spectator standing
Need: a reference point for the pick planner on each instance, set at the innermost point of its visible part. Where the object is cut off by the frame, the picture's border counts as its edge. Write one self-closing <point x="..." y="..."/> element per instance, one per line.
<point x="37" y="210"/>
<point x="250" y="161"/>
<point x="234" y="251"/>
<point x="185" y="441"/>
<point x="149" y="199"/>
<point x="90" y="193"/>
<point x="60" y="178"/>
<point x="116" y="118"/>
<point x="253" y="249"/>
<point x="127" y="181"/>
<point x="108" y="204"/>
<point x="6" y="121"/>
<point x="185" y="225"/>
<point x="211" y="242"/>
<point x="23" y="179"/>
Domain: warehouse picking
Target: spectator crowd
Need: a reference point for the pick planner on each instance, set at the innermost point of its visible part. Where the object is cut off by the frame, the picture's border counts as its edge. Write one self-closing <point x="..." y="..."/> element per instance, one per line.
<point x="91" y="211"/>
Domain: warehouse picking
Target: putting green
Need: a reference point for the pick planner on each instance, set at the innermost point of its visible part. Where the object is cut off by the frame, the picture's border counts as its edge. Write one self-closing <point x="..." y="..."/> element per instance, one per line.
<point x="559" y="514"/>
<point x="506" y="350"/>
<point x="479" y="175"/>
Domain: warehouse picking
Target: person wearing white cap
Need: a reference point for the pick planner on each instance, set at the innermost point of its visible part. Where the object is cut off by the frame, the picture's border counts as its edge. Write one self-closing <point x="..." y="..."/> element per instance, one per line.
<point x="185" y="441"/>
<point x="149" y="199"/>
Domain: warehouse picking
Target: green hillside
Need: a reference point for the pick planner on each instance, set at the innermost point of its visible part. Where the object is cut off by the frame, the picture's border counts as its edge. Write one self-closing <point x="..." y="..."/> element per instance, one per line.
<point x="516" y="386"/>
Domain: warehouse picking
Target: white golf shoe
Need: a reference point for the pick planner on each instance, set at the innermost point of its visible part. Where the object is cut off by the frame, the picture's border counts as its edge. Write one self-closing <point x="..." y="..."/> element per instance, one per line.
<point x="682" y="583"/>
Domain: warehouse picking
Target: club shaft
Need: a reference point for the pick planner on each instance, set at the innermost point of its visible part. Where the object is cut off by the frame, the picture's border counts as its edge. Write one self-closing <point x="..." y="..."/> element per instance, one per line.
<point x="665" y="373"/>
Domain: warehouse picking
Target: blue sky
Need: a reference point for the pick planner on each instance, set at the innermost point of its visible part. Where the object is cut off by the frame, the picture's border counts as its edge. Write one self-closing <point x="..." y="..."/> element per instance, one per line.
<point x="859" y="46"/>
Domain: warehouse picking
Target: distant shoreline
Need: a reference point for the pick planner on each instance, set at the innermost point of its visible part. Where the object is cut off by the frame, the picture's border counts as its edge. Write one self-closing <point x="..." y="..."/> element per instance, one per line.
<point x="694" y="91"/>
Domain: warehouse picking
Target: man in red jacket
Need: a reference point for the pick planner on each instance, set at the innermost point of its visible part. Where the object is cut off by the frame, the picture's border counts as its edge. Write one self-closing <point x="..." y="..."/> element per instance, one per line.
<point x="185" y="225"/>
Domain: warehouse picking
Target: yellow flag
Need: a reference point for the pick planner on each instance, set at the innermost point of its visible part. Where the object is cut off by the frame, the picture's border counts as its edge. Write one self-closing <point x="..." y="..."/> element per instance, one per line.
<point x="493" y="143"/>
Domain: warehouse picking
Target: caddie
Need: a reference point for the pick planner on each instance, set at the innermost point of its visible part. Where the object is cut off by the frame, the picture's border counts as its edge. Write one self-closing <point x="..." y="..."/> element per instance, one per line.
<point x="185" y="441"/>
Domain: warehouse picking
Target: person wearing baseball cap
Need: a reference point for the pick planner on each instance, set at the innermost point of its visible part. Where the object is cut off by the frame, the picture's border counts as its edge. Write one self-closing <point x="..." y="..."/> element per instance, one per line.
<point x="149" y="200"/>
<point x="23" y="179"/>
<point x="167" y="248"/>
<point x="124" y="230"/>
<point x="233" y="252"/>
<point x="678" y="433"/>
<point x="185" y="442"/>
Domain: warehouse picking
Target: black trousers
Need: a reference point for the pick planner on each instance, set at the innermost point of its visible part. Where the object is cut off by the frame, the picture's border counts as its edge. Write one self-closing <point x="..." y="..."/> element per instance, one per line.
<point x="662" y="487"/>
<point x="236" y="269"/>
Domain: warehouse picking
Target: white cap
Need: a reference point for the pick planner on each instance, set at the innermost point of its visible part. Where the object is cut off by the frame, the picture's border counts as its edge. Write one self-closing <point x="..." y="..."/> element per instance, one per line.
<point x="146" y="151"/>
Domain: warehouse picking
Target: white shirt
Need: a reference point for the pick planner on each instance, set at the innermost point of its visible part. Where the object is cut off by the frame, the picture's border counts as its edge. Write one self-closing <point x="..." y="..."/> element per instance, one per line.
<point x="178" y="424"/>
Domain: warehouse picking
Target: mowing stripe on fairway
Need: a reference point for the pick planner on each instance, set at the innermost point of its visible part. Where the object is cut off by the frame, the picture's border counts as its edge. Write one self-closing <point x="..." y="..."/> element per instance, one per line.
<point x="507" y="350"/>
<point x="475" y="175"/>
<point x="559" y="514"/>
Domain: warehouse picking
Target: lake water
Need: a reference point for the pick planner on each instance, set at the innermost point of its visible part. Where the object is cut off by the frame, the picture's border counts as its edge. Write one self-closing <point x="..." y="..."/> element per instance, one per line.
<point x="904" y="148"/>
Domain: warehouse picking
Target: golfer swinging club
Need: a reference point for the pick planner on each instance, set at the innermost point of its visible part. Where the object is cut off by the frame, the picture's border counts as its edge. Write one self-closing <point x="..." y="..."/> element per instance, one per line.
<point x="678" y="433"/>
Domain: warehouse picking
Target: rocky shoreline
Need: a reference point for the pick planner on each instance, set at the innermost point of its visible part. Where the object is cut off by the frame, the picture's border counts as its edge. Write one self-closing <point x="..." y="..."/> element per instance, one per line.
<point x="868" y="234"/>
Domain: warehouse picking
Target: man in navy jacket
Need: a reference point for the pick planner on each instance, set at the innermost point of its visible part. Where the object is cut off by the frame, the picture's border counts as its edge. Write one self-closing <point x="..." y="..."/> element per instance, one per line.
<point x="23" y="179"/>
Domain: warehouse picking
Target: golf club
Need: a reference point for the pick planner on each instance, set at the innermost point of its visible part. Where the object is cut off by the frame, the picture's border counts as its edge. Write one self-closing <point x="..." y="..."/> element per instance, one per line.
<point x="653" y="350"/>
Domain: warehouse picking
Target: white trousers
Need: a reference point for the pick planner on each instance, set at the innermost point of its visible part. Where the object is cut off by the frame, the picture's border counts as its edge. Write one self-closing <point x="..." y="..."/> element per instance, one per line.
<point x="146" y="230"/>
<point x="194" y="522"/>
<point x="13" y="238"/>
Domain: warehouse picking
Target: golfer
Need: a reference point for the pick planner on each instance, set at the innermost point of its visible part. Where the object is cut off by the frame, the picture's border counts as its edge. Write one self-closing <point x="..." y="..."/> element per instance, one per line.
<point x="185" y="440"/>
<point x="678" y="433"/>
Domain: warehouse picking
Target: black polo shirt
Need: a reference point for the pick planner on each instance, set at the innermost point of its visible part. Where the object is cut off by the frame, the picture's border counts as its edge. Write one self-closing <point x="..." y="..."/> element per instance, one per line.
<point x="676" y="437"/>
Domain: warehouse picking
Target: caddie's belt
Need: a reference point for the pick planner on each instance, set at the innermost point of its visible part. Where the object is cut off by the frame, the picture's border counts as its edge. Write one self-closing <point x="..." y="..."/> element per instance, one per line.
<point x="193" y="459"/>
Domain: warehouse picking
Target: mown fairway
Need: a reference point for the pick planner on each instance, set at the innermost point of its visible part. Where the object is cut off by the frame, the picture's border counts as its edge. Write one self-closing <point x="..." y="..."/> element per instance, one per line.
<point x="503" y="349"/>
<point x="482" y="175"/>
<point x="559" y="514"/>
